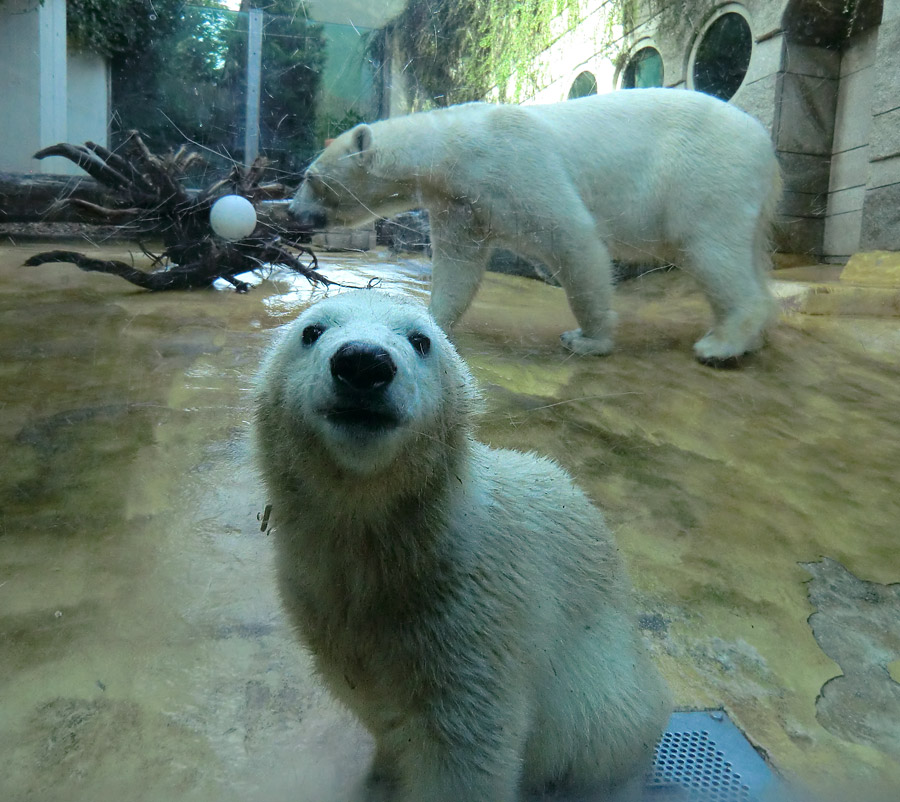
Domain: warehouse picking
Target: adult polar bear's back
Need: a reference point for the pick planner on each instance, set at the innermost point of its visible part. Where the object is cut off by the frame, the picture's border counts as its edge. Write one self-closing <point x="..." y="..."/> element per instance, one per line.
<point x="639" y="175"/>
<point x="651" y="189"/>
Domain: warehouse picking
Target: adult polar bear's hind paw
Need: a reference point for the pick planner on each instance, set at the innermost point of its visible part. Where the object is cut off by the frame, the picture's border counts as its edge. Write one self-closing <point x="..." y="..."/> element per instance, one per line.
<point x="715" y="352"/>
<point x="576" y="342"/>
<point x="742" y="332"/>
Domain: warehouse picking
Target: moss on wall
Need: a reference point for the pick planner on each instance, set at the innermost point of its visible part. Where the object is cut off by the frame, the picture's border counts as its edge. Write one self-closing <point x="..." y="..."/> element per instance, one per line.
<point x="463" y="50"/>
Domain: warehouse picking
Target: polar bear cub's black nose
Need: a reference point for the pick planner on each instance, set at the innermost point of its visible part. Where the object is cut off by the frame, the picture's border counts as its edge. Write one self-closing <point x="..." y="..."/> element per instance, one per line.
<point x="362" y="367"/>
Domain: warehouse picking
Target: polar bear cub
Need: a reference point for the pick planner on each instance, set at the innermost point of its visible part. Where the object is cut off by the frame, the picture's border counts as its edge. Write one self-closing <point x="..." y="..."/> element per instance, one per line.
<point x="638" y="175"/>
<point x="467" y="603"/>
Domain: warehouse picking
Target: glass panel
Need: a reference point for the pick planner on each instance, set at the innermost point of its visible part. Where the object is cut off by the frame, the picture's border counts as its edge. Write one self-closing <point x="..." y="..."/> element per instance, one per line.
<point x="645" y="69"/>
<point x="584" y="84"/>
<point x="723" y="56"/>
<point x="687" y="300"/>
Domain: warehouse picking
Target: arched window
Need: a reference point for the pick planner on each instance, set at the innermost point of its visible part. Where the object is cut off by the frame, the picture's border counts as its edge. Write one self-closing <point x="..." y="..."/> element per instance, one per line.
<point x="584" y="84"/>
<point x="722" y="55"/>
<point x="644" y="68"/>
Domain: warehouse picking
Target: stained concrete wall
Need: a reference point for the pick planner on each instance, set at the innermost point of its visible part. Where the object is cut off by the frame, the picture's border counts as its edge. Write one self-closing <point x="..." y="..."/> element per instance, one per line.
<point x="805" y="103"/>
<point x="49" y="94"/>
<point x="33" y="63"/>
<point x="585" y="48"/>
<point x="850" y="149"/>
<point x="830" y="103"/>
<point x="88" y="97"/>
<point x="881" y="208"/>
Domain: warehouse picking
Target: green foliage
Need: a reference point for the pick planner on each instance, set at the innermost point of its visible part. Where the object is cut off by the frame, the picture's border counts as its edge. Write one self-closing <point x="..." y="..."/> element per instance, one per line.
<point x="330" y="127"/>
<point x="115" y="26"/>
<point x="293" y="56"/>
<point x="179" y="72"/>
<point x="187" y="81"/>
<point x="169" y="85"/>
<point x="459" y="50"/>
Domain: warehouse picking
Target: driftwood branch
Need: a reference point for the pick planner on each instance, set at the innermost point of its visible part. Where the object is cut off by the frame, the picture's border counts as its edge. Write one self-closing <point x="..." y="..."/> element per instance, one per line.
<point x="158" y="280"/>
<point x="218" y="263"/>
<point x="148" y="197"/>
<point x="88" y="161"/>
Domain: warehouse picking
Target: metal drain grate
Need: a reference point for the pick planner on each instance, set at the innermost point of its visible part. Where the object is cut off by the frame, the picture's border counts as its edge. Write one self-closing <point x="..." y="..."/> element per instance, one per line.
<point x="703" y="757"/>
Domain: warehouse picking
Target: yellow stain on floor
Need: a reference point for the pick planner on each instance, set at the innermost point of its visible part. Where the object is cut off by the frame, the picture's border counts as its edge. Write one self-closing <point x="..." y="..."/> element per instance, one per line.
<point x="894" y="670"/>
<point x="145" y="656"/>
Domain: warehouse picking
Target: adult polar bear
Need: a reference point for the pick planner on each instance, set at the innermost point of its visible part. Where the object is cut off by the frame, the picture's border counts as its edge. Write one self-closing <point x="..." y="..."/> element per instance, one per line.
<point x="639" y="175"/>
<point x="467" y="603"/>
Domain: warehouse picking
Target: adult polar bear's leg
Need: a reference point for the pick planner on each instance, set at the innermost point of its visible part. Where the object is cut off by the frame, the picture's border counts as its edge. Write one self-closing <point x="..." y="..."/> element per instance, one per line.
<point x="459" y="258"/>
<point x="735" y="283"/>
<point x="573" y="250"/>
<point x="570" y="246"/>
<point x="586" y="275"/>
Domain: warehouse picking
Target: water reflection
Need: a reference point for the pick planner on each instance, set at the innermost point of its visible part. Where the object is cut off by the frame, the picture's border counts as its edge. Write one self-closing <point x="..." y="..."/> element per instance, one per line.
<point x="352" y="271"/>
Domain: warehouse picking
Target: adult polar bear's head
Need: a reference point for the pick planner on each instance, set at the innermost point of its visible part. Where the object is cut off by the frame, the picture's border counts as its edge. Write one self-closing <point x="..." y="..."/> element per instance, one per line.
<point x="347" y="186"/>
<point x="360" y="383"/>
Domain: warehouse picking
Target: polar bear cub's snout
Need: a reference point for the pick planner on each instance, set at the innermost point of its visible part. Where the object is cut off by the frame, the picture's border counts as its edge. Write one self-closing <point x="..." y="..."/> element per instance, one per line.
<point x="364" y="386"/>
<point x="362" y="367"/>
<point x="361" y="374"/>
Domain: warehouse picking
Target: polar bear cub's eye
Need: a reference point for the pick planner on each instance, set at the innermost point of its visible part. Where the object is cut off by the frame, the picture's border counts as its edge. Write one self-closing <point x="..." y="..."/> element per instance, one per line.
<point x="312" y="333"/>
<point x="420" y="342"/>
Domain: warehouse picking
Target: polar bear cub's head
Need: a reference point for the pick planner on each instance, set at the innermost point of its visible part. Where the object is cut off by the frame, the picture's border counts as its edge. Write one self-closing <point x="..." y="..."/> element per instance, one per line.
<point x="345" y="186"/>
<point x="361" y="379"/>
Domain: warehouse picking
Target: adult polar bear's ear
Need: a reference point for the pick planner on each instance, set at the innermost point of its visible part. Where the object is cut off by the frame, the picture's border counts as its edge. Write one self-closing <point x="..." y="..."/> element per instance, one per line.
<point x="361" y="145"/>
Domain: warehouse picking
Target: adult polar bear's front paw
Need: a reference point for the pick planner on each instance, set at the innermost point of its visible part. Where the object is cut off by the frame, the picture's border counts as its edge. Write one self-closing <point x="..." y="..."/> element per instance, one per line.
<point x="587" y="346"/>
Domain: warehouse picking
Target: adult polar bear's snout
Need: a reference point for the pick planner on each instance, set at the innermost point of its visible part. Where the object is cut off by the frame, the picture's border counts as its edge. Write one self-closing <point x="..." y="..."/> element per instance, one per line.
<point x="639" y="175"/>
<point x="334" y="189"/>
<point x="307" y="211"/>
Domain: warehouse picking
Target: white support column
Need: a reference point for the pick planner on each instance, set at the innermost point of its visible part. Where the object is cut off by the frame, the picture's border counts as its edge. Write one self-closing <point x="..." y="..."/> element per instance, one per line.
<point x="254" y="81"/>
<point x="53" y="79"/>
<point x="33" y="100"/>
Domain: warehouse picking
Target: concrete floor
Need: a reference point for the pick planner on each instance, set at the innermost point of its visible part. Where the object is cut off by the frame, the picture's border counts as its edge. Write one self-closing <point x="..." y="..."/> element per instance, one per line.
<point x="144" y="654"/>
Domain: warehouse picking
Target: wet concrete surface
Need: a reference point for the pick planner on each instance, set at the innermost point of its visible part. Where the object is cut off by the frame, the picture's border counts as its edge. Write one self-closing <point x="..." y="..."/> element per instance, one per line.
<point x="143" y="652"/>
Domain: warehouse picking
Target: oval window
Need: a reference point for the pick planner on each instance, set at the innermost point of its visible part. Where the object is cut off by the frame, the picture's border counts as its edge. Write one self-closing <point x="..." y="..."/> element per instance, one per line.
<point x="584" y="84"/>
<point x="723" y="56"/>
<point x="644" y="68"/>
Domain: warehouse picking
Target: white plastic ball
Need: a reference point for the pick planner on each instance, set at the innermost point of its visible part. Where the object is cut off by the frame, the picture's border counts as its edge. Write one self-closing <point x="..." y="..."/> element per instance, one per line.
<point x="232" y="217"/>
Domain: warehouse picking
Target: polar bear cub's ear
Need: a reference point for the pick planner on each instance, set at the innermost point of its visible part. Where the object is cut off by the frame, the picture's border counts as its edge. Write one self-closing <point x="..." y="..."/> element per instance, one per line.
<point x="361" y="144"/>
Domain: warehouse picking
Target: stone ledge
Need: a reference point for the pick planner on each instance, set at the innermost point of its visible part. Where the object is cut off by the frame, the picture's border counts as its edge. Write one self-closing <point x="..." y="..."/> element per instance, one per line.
<point x="873" y="269"/>
<point x="868" y="286"/>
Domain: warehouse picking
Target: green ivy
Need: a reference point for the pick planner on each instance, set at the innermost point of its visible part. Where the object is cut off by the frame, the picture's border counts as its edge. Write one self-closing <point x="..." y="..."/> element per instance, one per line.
<point x="461" y="50"/>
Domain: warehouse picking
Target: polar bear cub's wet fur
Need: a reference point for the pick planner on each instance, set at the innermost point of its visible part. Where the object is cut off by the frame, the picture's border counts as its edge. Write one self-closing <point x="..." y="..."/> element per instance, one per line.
<point x="639" y="175"/>
<point x="467" y="603"/>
